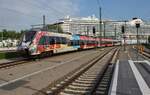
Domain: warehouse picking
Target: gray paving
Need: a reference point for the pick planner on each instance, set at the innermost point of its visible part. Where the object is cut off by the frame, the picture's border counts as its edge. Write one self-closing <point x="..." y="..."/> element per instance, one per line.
<point x="127" y="84"/>
<point x="144" y="69"/>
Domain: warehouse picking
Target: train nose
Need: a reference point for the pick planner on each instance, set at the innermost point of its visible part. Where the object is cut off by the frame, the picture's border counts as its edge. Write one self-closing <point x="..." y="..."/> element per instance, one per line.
<point x="23" y="46"/>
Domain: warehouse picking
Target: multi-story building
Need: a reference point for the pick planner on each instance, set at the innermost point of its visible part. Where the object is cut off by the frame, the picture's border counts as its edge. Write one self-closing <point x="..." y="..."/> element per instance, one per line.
<point x="82" y="26"/>
<point x="109" y="28"/>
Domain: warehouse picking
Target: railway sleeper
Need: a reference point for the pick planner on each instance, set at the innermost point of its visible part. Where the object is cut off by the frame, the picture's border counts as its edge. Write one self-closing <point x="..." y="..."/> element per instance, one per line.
<point x="87" y="82"/>
<point x="79" y="87"/>
<point x="83" y="84"/>
<point x="91" y="75"/>
<point x="87" y="79"/>
<point x="76" y="92"/>
<point x="100" y="93"/>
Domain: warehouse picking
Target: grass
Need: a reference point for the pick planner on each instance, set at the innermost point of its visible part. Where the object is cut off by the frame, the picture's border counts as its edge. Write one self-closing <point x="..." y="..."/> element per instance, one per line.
<point x="8" y="55"/>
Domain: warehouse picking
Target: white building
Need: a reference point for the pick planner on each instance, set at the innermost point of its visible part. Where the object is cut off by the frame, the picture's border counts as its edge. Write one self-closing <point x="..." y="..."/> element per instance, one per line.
<point x="82" y="25"/>
<point x="110" y="28"/>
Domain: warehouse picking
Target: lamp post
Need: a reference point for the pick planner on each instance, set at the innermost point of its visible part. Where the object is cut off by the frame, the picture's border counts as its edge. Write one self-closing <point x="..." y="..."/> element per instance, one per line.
<point x="100" y="24"/>
<point x="137" y="24"/>
<point x="100" y="21"/>
<point x="104" y="30"/>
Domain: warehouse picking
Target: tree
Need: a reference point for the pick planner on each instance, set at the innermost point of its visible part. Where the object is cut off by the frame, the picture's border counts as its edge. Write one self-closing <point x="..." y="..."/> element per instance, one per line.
<point x="9" y="34"/>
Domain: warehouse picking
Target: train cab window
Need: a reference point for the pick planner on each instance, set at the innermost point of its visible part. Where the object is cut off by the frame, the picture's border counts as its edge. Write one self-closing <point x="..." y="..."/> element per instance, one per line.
<point x="29" y="36"/>
<point x="42" y="40"/>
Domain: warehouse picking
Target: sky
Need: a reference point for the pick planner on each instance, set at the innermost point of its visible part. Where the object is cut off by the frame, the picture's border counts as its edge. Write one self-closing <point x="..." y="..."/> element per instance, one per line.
<point x="20" y="14"/>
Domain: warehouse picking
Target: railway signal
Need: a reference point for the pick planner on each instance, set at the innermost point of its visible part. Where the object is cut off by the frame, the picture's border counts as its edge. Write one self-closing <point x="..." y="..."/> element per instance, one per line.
<point x="122" y="29"/>
<point x="137" y="25"/>
<point x="94" y="31"/>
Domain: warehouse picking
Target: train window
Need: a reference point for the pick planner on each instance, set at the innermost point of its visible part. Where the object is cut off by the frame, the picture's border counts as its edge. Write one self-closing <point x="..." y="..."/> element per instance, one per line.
<point x="82" y="42"/>
<point x="58" y="41"/>
<point x="69" y="42"/>
<point x="72" y="42"/>
<point x="42" y="40"/>
<point x="51" y="40"/>
<point x="75" y="42"/>
<point x="63" y="40"/>
<point x="47" y="40"/>
<point x="29" y="35"/>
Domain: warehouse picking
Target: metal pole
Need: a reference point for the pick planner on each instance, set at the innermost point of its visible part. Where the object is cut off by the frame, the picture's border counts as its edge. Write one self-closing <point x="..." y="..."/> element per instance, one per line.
<point x="44" y="22"/>
<point x="115" y="32"/>
<point x="137" y="44"/>
<point x="125" y="37"/>
<point x="87" y="31"/>
<point x="58" y="27"/>
<point x="100" y="22"/>
<point x="2" y="39"/>
<point x="104" y="30"/>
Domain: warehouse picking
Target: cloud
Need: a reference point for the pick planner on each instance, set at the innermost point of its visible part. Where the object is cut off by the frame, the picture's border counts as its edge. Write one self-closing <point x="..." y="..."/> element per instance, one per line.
<point x="19" y="14"/>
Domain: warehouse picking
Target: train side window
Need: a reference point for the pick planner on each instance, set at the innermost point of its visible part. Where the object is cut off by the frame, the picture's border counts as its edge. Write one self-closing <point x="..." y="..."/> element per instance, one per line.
<point x="82" y="42"/>
<point x="47" y="40"/>
<point x="69" y="42"/>
<point x="42" y="40"/>
<point x="75" y="42"/>
<point x="72" y="42"/>
<point x="64" y="41"/>
<point x="57" y="40"/>
<point x="51" y="40"/>
<point x="78" y="42"/>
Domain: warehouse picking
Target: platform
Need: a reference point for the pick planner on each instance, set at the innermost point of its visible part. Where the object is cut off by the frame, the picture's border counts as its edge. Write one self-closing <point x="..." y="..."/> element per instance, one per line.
<point x="131" y="75"/>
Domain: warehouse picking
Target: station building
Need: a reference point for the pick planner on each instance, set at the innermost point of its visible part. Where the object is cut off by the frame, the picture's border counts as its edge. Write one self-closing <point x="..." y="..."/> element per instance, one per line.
<point x="109" y="28"/>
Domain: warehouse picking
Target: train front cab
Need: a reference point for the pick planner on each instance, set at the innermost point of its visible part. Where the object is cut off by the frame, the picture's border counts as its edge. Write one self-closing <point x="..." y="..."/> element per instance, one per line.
<point x="26" y="41"/>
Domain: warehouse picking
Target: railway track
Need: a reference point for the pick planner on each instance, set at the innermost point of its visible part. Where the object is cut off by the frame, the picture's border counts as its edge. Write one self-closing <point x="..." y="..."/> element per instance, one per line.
<point x="13" y="63"/>
<point x="93" y="78"/>
<point x="23" y="61"/>
<point x="147" y="54"/>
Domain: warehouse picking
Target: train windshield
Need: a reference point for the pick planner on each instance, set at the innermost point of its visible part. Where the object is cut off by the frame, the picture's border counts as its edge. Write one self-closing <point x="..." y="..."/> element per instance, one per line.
<point x="28" y="36"/>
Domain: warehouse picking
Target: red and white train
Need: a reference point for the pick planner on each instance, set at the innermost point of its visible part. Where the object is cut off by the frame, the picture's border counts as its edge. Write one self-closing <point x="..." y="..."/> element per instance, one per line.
<point x="39" y="42"/>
